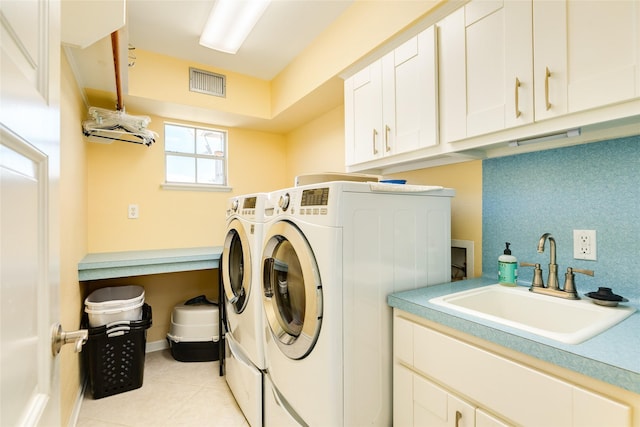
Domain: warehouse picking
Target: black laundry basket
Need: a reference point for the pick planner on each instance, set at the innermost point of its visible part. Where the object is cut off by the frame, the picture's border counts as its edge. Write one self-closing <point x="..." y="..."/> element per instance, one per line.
<point x="115" y="355"/>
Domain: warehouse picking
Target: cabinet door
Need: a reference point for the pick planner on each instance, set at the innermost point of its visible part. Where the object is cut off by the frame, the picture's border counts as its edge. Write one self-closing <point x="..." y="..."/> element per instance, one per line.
<point x="363" y="115"/>
<point x="486" y="68"/>
<point x="498" y="41"/>
<point x="402" y="396"/>
<point x="410" y="95"/>
<point x="452" y="81"/>
<point x="434" y="407"/>
<point x="586" y="54"/>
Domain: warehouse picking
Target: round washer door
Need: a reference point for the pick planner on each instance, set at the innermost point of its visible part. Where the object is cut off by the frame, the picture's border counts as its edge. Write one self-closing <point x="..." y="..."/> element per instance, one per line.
<point x="236" y="266"/>
<point x="292" y="291"/>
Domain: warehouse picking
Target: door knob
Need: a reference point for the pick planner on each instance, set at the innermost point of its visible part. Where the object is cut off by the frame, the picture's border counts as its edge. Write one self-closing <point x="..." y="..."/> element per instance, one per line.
<point x="60" y="338"/>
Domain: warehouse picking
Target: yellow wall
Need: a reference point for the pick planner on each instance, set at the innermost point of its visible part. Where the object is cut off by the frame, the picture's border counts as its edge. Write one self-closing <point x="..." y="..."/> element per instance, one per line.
<point x="73" y="230"/>
<point x="317" y="146"/>
<point x="124" y="173"/>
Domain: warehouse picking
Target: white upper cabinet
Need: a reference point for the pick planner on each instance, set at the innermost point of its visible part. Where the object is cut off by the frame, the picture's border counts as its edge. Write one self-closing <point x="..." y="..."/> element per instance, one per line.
<point x="586" y="54"/>
<point x="391" y="105"/>
<point x="498" y="58"/>
<point x="491" y="74"/>
<point x="487" y="68"/>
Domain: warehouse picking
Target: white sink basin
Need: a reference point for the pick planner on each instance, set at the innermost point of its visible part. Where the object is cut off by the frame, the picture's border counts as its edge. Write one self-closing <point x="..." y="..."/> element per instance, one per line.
<point x="567" y="321"/>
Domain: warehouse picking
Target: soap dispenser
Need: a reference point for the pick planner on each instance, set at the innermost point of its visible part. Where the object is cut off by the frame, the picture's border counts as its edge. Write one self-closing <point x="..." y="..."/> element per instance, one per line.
<point x="507" y="267"/>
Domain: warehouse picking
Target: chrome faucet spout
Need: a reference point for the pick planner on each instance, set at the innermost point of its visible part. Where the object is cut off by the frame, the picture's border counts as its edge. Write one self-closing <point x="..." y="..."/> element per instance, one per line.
<point x="552" y="281"/>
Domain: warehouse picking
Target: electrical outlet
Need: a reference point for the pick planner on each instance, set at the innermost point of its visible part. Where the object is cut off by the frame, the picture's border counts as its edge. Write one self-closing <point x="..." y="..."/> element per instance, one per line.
<point x="134" y="213"/>
<point x="584" y="244"/>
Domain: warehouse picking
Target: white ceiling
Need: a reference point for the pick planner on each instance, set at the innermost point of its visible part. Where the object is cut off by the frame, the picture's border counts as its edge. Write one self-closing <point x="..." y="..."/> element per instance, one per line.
<point x="173" y="27"/>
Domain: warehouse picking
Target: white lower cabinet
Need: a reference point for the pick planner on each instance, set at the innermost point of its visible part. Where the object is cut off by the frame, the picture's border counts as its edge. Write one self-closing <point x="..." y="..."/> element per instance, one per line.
<point x="443" y="381"/>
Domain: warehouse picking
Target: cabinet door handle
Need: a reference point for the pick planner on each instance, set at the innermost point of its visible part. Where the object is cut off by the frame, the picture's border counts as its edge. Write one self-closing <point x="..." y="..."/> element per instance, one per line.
<point x="375" y="136"/>
<point x="387" y="129"/>
<point x="546" y="88"/>
<point x="517" y="90"/>
<point x="458" y="418"/>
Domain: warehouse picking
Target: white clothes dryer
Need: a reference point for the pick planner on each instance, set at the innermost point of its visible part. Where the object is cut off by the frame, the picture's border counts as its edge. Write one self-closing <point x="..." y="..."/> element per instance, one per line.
<point x="332" y="253"/>
<point x="244" y="337"/>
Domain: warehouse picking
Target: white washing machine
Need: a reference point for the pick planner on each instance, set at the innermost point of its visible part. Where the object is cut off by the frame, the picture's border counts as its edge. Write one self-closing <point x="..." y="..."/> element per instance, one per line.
<point x="332" y="253"/>
<point x="244" y="337"/>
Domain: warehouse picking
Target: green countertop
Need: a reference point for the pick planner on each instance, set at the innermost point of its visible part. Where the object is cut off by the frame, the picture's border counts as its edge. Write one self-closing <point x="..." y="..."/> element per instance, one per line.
<point x="611" y="356"/>
<point x="110" y="265"/>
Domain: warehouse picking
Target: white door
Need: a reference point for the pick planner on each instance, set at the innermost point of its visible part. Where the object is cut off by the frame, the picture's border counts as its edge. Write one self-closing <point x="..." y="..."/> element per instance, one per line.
<point x="29" y="174"/>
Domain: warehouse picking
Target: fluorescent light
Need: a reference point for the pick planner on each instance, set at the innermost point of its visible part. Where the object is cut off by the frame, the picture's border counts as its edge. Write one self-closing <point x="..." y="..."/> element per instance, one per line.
<point x="230" y="22"/>
<point x="543" y="138"/>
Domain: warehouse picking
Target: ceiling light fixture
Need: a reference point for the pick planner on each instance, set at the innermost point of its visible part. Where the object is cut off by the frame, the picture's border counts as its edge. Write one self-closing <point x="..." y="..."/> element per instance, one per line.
<point x="230" y="22"/>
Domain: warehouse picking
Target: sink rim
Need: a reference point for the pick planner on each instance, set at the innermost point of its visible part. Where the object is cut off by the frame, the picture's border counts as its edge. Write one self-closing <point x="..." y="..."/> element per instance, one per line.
<point x="615" y="315"/>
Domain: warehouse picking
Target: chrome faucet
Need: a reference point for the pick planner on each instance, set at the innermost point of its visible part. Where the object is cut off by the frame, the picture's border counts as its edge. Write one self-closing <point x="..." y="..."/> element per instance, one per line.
<point x="552" y="288"/>
<point x="552" y="281"/>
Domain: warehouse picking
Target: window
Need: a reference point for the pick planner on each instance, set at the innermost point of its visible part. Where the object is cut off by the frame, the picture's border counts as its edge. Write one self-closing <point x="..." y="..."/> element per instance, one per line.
<point x="195" y="155"/>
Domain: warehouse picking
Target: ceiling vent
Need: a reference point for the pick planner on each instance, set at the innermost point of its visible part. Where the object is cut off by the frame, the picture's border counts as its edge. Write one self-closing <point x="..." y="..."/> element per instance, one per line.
<point x="207" y="82"/>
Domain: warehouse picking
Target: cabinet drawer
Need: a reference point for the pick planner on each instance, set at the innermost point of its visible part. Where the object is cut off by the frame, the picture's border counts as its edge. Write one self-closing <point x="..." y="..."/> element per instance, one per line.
<point x="403" y="340"/>
<point x="592" y="410"/>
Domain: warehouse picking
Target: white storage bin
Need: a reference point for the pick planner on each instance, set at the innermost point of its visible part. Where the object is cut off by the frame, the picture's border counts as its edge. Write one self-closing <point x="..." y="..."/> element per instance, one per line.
<point x="113" y="304"/>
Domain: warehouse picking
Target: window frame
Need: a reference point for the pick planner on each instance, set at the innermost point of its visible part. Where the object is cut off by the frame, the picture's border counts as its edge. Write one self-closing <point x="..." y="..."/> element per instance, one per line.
<point x="190" y="186"/>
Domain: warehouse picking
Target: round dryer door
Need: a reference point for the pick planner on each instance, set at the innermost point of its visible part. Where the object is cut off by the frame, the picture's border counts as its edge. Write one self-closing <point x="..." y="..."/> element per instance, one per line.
<point x="292" y="291"/>
<point x="236" y="266"/>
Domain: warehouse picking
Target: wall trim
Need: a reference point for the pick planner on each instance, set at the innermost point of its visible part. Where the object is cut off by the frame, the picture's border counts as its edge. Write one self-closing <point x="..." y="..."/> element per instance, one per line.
<point x="156" y="346"/>
<point x="75" y="413"/>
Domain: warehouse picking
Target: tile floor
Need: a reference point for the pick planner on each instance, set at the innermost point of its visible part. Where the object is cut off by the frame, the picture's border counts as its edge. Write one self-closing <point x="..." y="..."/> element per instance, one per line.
<point x="172" y="394"/>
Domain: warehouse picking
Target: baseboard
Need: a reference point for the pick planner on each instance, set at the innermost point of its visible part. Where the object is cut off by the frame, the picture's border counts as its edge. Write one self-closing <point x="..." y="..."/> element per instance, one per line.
<point x="156" y="346"/>
<point x="73" y="419"/>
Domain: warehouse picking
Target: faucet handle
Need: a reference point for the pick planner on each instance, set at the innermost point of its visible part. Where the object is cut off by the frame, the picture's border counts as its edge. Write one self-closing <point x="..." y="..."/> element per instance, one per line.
<point x="582" y="271"/>
<point x="569" y="280"/>
<point x="537" y="274"/>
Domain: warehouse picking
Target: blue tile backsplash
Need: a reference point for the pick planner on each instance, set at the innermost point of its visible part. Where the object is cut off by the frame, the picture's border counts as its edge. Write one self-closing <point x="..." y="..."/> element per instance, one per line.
<point x="587" y="187"/>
